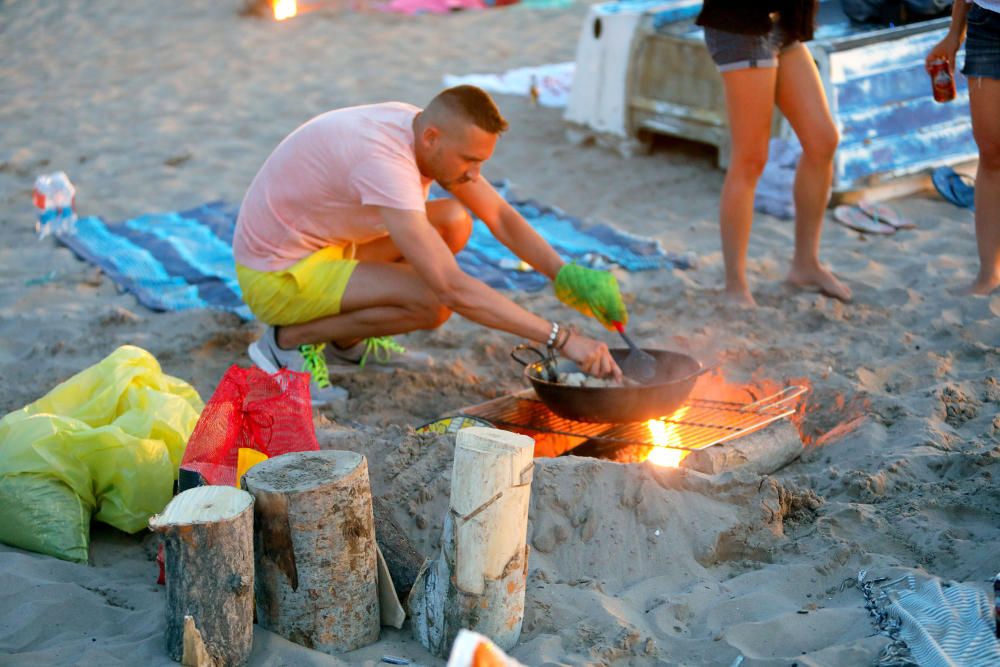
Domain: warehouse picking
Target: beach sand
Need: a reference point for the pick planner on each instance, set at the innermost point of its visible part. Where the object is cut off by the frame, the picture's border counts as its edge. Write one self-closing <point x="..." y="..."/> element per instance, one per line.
<point x="163" y="106"/>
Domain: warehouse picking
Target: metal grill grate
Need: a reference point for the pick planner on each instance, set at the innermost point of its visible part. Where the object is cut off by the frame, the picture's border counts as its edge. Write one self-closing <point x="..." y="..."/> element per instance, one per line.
<point x="698" y="424"/>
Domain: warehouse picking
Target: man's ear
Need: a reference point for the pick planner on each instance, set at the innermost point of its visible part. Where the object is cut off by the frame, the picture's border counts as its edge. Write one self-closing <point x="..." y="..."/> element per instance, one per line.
<point x="431" y="135"/>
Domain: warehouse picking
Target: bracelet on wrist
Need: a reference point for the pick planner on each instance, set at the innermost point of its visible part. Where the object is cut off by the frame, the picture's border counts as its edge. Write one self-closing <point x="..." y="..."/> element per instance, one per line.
<point x="553" y="335"/>
<point x="568" y="332"/>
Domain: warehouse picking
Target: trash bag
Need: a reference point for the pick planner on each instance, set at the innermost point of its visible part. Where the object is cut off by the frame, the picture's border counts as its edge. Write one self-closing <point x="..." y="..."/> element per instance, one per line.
<point x="250" y="409"/>
<point x="105" y="443"/>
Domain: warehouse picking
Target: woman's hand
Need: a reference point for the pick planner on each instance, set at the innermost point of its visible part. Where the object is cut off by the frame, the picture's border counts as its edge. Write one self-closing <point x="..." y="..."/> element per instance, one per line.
<point x="592" y="356"/>
<point x="946" y="49"/>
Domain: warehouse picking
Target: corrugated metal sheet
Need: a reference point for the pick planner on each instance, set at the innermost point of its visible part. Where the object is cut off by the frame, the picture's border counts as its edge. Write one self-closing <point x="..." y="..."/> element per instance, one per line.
<point x="878" y="90"/>
<point x="889" y="123"/>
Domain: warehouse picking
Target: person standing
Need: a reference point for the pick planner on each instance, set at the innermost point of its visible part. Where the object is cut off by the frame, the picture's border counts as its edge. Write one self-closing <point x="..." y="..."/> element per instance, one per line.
<point x="982" y="67"/>
<point x="758" y="48"/>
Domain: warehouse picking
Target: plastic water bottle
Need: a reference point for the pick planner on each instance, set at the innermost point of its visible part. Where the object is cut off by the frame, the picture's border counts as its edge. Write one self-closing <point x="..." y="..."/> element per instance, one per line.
<point x="53" y="195"/>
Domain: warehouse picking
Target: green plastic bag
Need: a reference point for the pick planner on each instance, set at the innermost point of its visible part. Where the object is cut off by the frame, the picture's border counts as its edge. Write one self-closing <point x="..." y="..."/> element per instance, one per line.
<point x="107" y="442"/>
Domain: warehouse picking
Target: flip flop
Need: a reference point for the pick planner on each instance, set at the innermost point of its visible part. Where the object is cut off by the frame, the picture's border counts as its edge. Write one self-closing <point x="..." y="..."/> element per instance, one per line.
<point x="957" y="188"/>
<point x="854" y="218"/>
<point x="885" y="213"/>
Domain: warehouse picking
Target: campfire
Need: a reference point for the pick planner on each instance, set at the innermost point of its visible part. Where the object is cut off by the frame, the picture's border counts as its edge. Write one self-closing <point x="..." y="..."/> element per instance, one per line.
<point x="285" y="9"/>
<point x="718" y="412"/>
<point x="279" y="10"/>
<point x="664" y="434"/>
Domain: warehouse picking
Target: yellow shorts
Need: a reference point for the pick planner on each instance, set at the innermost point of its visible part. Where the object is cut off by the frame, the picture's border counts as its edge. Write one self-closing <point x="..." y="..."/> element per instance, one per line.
<point x="307" y="291"/>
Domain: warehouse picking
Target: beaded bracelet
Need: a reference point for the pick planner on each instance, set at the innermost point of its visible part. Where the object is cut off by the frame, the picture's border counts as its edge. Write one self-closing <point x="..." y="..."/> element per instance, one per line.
<point x="553" y="335"/>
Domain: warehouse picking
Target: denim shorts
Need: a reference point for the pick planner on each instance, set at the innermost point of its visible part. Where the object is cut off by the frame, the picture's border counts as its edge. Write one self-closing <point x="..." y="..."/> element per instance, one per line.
<point x="732" y="50"/>
<point x="982" y="44"/>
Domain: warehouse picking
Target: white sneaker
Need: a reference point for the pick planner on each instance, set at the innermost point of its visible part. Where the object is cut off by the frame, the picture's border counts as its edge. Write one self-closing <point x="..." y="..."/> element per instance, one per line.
<point x="380" y="351"/>
<point x="270" y="358"/>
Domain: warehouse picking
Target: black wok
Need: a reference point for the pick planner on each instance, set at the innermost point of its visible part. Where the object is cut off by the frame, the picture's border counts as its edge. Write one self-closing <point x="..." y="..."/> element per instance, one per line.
<point x="675" y="376"/>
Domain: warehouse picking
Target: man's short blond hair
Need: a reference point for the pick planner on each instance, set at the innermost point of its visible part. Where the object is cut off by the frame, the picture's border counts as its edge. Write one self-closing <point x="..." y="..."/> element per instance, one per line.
<point x="471" y="103"/>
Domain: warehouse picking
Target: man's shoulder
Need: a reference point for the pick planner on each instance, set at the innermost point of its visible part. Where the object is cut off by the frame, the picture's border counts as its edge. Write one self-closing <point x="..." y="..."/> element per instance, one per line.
<point x="380" y="111"/>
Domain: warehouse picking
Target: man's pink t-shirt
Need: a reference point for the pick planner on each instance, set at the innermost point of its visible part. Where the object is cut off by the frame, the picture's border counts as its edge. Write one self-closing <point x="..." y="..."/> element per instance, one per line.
<point x="321" y="186"/>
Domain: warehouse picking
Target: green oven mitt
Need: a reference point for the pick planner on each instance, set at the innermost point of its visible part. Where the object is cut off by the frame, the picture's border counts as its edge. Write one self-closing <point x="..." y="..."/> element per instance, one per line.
<point x="594" y="293"/>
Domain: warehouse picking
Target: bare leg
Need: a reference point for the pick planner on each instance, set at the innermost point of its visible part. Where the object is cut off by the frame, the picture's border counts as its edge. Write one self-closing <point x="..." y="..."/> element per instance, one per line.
<point x="448" y="216"/>
<point x="385" y="296"/>
<point x="802" y="100"/>
<point x="984" y="99"/>
<point x="750" y="103"/>
<point x="382" y="299"/>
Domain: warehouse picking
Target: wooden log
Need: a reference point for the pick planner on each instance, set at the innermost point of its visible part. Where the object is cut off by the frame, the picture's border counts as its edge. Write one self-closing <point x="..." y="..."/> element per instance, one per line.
<point x="315" y="549"/>
<point x="477" y="582"/>
<point x="761" y="452"/>
<point x="401" y="558"/>
<point x="207" y="533"/>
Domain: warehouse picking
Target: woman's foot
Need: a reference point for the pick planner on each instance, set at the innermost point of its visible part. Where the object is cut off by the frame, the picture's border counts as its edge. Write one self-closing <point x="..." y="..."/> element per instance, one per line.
<point x="982" y="286"/>
<point x="819" y="279"/>
<point x="739" y="295"/>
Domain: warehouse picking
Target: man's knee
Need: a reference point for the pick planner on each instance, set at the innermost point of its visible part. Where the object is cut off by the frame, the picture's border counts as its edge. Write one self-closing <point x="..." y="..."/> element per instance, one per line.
<point x="438" y="316"/>
<point x="453" y="223"/>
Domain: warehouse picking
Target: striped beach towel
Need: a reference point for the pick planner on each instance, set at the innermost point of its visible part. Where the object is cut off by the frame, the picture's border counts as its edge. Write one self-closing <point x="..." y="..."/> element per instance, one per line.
<point x="184" y="259"/>
<point x="931" y="623"/>
<point x="169" y="261"/>
<point x="949" y="625"/>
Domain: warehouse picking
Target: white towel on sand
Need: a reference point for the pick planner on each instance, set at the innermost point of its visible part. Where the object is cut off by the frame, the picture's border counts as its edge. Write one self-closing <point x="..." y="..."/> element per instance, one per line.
<point x="553" y="82"/>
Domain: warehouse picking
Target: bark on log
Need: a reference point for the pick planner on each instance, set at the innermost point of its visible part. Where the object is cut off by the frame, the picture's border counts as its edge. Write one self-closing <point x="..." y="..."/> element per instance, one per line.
<point x="207" y="533"/>
<point x="477" y="582"/>
<point x="761" y="453"/>
<point x="315" y="549"/>
<point x="402" y="559"/>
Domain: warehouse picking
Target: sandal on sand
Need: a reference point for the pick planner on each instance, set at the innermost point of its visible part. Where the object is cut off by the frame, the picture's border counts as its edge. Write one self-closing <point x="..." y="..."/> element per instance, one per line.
<point x="855" y="218"/>
<point x="957" y="188"/>
<point x="885" y="213"/>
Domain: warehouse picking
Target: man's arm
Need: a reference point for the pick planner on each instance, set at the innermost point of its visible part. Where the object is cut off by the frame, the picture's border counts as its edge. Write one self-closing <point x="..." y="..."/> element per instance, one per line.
<point x="593" y="293"/>
<point x="427" y="253"/>
<point x="425" y="250"/>
<point x="508" y="226"/>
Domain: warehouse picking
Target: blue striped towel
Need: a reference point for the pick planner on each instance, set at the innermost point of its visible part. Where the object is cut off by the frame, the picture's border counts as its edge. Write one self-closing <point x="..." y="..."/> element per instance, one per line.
<point x="182" y="260"/>
<point x="945" y="626"/>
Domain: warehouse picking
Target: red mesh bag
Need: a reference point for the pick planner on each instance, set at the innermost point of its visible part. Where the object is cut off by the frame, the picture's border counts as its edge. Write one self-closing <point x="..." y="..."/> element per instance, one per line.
<point x="253" y="409"/>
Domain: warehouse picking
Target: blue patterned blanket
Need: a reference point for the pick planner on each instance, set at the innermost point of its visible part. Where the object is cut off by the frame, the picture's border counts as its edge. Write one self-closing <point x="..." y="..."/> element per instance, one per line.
<point x="183" y="259"/>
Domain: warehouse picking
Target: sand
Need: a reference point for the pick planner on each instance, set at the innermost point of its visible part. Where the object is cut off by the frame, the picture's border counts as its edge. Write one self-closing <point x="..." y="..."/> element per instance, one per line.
<point x="163" y="106"/>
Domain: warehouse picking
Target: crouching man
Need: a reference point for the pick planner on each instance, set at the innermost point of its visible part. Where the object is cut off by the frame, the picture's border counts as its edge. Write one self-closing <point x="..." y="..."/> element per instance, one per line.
<point x="337" y="247"/>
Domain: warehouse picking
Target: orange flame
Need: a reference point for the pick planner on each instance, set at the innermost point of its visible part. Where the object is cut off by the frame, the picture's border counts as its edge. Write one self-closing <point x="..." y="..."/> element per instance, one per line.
<point x="664" y="435"/>
<point x="285" y="9"/>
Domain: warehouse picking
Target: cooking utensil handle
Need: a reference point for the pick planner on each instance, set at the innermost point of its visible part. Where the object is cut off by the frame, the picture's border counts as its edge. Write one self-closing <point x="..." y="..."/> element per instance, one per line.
<point x="527" y="348"/>
<point x="547" y="361"/>
<point x="782" y="397"/>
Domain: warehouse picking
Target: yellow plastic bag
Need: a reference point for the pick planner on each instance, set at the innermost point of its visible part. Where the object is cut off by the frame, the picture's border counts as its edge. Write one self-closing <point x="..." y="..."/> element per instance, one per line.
<point x="107" y="442"/>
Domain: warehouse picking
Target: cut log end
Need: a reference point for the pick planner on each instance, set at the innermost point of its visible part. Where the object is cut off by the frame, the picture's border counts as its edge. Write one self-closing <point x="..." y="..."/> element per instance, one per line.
<point x="493" y="440"/>
<point x="304" y="471"/>
<point x="202" y="505"/>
